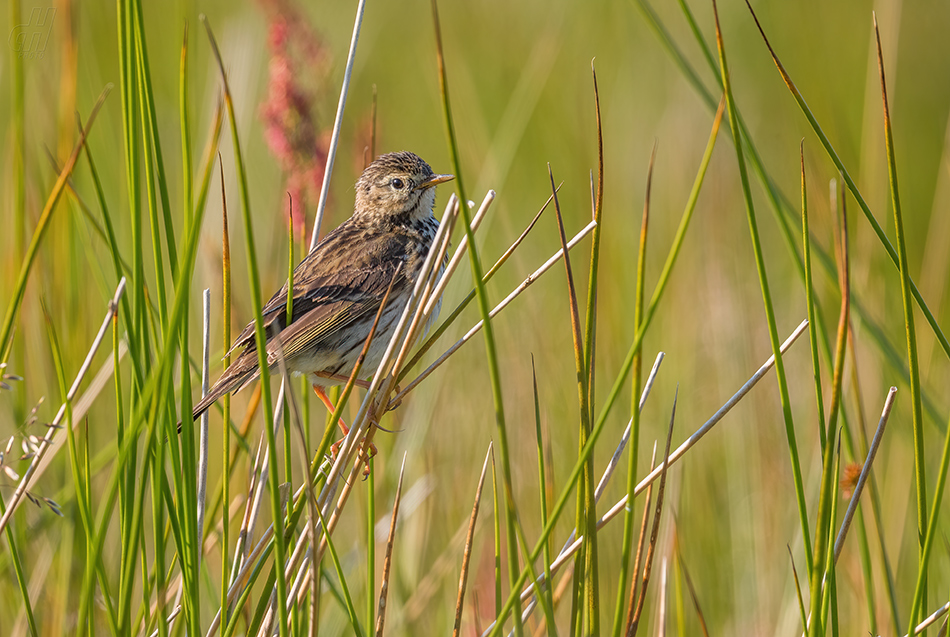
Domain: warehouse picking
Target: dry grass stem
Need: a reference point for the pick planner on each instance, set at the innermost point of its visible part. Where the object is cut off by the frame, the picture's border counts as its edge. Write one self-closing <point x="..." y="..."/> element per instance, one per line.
<point x="615" y="459"/>
<point x="387" y="563"/>
<point x="498" y="308"/>
<point x="654" y="533"/>
<point x="82" y="406"/>
<point x="369" y="410"/>
<point x="644" y="484"/>
<point x="570" y="546"/>
<point x="307" y="571"/>
<point x="467" y="554"/>
<point x="203" y="435"/>
<point x="430" y="341"/>
<point x="661" y="611"/>
<point x="641" y="543"/>
<point x="170" y="619"/>
<point x="337" y="125"/>
<point x="865" y="472"/>
<point x="931" y="620"/>
<point x="47" y="441"/>
<point x="714" y="420"/>
<point x="459" y="253"/>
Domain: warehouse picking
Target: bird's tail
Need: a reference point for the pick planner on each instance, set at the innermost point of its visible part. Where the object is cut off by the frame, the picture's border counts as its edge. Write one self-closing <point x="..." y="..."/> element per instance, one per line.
<point x="230" y="382"/>
<point x="236" y="377"/>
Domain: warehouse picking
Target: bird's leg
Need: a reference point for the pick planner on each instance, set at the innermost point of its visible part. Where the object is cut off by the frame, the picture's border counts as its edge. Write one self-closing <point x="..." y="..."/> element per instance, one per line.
<point x="359" y="383"/>
<point x="342" y="379"/>
<point x="335" y="447"/>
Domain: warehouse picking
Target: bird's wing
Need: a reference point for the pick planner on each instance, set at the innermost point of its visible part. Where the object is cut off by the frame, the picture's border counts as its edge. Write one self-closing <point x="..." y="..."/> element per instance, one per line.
<point x="341" y="281"/>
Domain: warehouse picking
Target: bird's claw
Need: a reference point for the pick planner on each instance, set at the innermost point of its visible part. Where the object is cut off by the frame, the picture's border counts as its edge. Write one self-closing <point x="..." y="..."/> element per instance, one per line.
<point x="364" y="456"/>
<point x="396" y="402"/>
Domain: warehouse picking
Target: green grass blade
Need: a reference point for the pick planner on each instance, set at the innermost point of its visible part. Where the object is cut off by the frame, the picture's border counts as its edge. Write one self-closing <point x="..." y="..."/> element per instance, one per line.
<point x="80" y="471"/>
<point x="915" y="391"/>
<point x="226" y="404"/>
<point x="590" y="332"/>
<point x="823" y="560"/>
<point x="496" y="534"/>
<point x="6" y="330"/>
<point x="810" y="302"/>
<point x="878" y="230"/>
<point x="671" y="258"/>
<point x="150" y="178"/>
<point x="629" y="521"/>
<point x="350" y="608"/>
<point x="621" y="379"/>
<point x="907" y="285"/>
<point x="547" y="595"/>
<point x="784" y="213"/>
<point x="260" y="339"/>
<point x="143" y="415"/>
<point x="150" y="122"/>
<point x="588" y="351"/>
<point x="766" y="293"/>
<point x="488" y="331"/>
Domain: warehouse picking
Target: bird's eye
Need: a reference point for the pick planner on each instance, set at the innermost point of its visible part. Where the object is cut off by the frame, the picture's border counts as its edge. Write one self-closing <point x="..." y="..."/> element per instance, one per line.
<point x="397" y="183"/>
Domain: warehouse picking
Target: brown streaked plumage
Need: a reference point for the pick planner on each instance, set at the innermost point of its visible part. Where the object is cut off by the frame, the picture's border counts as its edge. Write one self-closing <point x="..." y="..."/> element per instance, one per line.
<point x="340" y="285"/>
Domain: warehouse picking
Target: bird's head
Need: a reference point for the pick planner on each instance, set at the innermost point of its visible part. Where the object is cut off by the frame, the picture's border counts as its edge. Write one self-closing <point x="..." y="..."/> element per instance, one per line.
<point x="397" y="188"/>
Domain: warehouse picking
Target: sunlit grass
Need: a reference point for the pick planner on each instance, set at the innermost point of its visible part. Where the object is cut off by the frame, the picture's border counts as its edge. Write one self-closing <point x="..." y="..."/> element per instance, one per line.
<point x="546" y="391"/>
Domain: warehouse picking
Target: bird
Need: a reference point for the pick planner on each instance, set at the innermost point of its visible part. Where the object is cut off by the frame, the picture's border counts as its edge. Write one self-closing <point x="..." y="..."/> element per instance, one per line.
<point x="339" y="286"/>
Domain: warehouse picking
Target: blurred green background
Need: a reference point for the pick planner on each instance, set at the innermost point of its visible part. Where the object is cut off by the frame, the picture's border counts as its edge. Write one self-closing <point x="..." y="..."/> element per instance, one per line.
<point x="520" y="85"/>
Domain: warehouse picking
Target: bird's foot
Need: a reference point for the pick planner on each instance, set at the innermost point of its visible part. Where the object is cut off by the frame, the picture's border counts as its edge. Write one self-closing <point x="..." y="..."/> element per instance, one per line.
<point x="393" y="404"/>
<point x="364" y="456"/>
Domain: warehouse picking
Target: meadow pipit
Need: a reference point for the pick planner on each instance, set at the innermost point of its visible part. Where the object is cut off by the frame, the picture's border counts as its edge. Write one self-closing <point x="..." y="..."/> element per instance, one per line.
<point x="339" y="286"/>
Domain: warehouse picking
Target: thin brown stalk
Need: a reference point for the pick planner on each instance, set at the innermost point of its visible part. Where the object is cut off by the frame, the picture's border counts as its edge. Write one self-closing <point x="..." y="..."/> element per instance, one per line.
<point x="654" y="533"/>
<point x="597" y="209"/>
<point x="641" y="542"/>
<point x="646" y="483"/>
<point x="387" y="563"/>
<point x="798" y="590"/>
<point x="586" y="516"/>
<point x="692" y="592"/>
<point x="226" y="401"/>
<point x="467" y="554"/>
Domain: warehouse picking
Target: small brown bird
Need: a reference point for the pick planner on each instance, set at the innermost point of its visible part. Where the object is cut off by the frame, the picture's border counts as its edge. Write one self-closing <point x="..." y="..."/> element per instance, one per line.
<point x="339" y="286"/>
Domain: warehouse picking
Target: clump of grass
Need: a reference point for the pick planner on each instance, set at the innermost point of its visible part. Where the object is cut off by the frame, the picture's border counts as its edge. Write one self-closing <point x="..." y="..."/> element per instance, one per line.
<point x="295" y="555"/>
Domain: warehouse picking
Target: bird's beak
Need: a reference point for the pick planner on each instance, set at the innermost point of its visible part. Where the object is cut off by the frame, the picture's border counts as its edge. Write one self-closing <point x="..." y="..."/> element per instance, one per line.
<point x="434" y="180"/>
